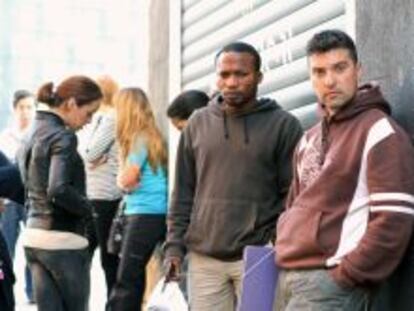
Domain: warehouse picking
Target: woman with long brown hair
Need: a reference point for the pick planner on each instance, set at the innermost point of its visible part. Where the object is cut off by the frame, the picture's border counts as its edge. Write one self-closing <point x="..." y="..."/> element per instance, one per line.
<point x="143" y="178"/>
<point x="54" y="238"/>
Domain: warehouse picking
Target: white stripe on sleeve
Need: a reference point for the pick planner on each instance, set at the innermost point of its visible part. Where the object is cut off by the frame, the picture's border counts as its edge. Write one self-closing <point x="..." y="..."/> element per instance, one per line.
<point x="391" y="208"/>
<point x="392" y="196"/>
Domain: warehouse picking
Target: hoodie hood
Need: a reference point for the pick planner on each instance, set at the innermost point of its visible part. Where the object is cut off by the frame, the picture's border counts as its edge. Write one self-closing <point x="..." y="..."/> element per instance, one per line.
<point x="368" y="96"/>
<point x="262" y="104"/>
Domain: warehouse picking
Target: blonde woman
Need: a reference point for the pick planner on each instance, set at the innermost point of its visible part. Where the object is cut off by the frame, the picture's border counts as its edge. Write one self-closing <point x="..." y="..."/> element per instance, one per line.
<point x="143" y="177"/>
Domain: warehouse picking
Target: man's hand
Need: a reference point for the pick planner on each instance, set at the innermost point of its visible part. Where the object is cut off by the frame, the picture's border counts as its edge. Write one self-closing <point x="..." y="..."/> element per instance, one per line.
<point x="173" y="269"/>
<point x="2" y="208"/>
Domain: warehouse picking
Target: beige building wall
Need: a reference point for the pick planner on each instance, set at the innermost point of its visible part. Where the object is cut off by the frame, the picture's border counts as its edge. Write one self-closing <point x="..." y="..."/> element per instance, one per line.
<point x="158" y="60"/>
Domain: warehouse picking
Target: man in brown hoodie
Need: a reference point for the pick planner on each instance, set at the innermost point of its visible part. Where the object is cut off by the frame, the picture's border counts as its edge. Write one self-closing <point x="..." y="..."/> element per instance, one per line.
<point x="349" y="212"/>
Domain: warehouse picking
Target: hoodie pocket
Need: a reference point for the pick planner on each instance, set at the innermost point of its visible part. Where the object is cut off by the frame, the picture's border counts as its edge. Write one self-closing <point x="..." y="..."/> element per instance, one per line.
<point x="297" y="236"/>
<point x="222" y="227"/>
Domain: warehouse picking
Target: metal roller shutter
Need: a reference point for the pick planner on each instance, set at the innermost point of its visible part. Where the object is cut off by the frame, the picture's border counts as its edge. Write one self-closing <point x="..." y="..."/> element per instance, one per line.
<point x="278" y="29"/>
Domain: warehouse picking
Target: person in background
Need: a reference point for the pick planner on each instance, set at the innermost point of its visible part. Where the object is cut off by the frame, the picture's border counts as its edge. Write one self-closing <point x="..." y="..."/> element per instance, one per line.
<point x="11" y="139"/>
<point x="183" y="106"/>
<point x="11" y="187"/>
<point x="349" y="213"/>
<point x="101" y="161"/>
<point x="233" y="171"/>
<point x="143" y="177"/>
<point x="53" y="173"/>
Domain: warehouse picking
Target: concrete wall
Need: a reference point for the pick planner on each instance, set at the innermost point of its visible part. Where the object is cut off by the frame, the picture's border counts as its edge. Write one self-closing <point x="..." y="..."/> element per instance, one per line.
<point x="158" y="60"/>
<point x="385" y="39"/>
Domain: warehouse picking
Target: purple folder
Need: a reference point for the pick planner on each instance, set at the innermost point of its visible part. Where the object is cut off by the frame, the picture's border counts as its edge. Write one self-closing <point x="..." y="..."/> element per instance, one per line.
<point x="259" y="279"/>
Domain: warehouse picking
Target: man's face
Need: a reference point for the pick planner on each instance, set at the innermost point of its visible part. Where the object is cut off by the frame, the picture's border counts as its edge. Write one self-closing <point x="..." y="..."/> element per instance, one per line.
<point x="237" y="78"/>
<point x="24" y="111"/>
<point x="334" y="77"/>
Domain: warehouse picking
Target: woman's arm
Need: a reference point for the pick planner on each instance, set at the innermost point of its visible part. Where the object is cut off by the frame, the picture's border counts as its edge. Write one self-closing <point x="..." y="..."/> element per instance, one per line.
<point x="128" y="178"/>
<point x="129" y="174"/>
<point x="101" y="140"/>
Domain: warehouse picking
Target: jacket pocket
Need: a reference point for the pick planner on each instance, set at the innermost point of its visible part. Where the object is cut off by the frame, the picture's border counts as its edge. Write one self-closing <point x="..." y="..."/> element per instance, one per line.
<point x="297" y="236"/>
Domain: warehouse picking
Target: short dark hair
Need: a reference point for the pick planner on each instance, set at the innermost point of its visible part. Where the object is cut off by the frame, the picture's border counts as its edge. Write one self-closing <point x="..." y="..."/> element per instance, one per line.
<point x="328" y="40"/>
<point x="241" y="47"/>
<point x="184" y="104"/>
<point x="19" y="95"/>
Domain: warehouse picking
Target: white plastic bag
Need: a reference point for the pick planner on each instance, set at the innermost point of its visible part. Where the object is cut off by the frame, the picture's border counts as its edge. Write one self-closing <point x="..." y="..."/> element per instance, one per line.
<point x="166" y="297"/>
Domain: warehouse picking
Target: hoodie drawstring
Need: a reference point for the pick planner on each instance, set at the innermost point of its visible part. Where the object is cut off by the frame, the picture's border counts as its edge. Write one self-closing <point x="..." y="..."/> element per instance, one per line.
<point x="227" y="132"/>
<point x="245" y="129"/>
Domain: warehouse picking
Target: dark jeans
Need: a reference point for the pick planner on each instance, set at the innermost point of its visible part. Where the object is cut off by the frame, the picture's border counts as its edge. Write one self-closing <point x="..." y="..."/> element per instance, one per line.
<point x="11" y="218"/>
<point x="61" y="278"/>
<point x="143" y="232"/>
<point x="7" y="278"/>
<point x="98" y="232"/>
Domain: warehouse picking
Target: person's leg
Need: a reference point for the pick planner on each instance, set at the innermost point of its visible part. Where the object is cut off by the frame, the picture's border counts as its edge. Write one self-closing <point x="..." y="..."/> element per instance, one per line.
<point x="235" y="272"/>
<point x="21" y="216"/>
<point x="29" y="284"/>
<point x="283" y="293"/>
<point x="7" y="278"/>
<point x="69" y="273"/>
<point x="142" y="233"/>
<point x="10" y="225"/>
<point x="75" y="285"/>
<point x="330" y="296"/>
<point x="210" y="287"/>
<point x="316" y="290"/>
<point x="46" y="290"/>
<point x="104" y="212"/>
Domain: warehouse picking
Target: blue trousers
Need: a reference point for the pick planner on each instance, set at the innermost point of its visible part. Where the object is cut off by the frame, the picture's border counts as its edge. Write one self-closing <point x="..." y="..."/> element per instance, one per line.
<point x="13" y="215"/>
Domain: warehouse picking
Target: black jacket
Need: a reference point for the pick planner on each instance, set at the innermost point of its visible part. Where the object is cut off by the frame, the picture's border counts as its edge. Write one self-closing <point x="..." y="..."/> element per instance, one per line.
<point x="11" y="186"/>
<point x="54" y="176"/>
<point x="232" y="175"/>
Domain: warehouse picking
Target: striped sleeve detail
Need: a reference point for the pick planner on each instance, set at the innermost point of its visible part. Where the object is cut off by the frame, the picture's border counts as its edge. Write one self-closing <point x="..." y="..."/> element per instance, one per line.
<point x="356" y="220"/>
<point x="392" y="208"/>
<point x="397" y="202"/>
<point x="101" y="139"/>
<point x="392" y="196"/>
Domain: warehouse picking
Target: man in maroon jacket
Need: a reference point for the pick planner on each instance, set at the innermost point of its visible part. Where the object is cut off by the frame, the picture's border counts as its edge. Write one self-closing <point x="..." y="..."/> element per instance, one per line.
<point x="349" y="212"/>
